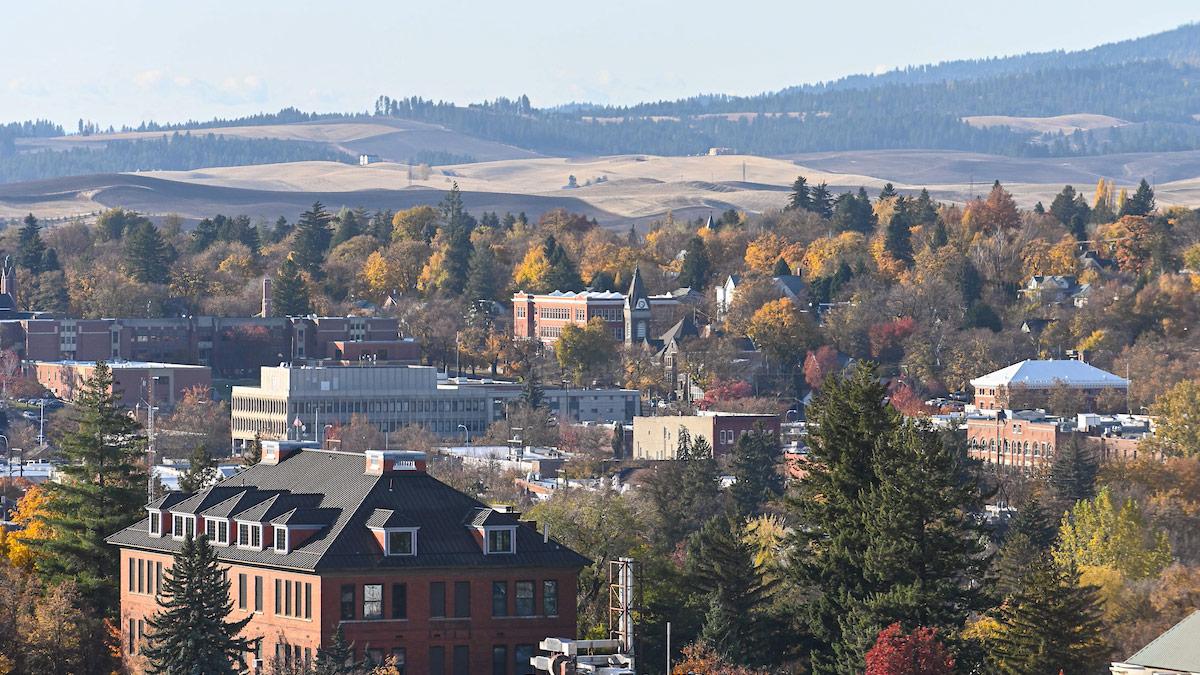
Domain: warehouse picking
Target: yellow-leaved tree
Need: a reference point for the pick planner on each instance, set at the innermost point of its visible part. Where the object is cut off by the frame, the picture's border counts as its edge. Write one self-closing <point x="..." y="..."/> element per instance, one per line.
<point x="1100" y="533"/>
<point x="782" y="331"/>
<point x="1176" y="414"/>
<point x="30" y="527"/>
<point x="534" y="269"/>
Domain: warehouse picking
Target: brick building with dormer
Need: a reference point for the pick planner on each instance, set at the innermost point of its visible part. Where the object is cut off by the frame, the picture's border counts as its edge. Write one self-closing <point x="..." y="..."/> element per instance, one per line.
<point x="406" y="565"/>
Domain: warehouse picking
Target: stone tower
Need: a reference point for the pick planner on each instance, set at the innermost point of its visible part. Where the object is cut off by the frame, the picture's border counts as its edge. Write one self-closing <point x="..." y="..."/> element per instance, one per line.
<point x="637" y="310"/>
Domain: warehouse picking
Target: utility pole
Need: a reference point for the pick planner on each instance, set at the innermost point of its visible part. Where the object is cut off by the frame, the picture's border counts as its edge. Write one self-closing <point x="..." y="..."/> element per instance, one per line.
<point x="150" y="440"/>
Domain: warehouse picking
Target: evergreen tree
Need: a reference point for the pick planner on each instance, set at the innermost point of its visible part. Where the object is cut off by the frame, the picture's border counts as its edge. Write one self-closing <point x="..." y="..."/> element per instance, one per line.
<point x="1029" y="536"/>
<point x="50" y="261"/>
<point x="940" y="236"/>
<point x="102" y="491"/>
<point x="200" y="472"/>
<point x="756" y="472"/>
<point x="531" y="388"/>
<point x="1141" y="203"/>
<point x="483" y="276"/>
<point x="781" y="269"/>
<point x="724" y="570"/>
<point x="696" y="265"/>
<point x="821" y="201"/>
<point x="1073" y="473"/>
<point x="925" y="209"/>
<point x="1039" y="209"/>
<point x="602" y="280"/>
<point x="1072" y="210"/>
<point x="685" y="492"/>
<point x="30" y="247"/>
<point x="337" y="658"/>
<point x="289" y="292"/>
<point x="313" y="238"/>
<point x="898" y="236"/>
<point x="563" y="275"/>
<point x="801" y="198"/>
<point x="146" y="254"/>
<point x="190" y="634"/>
<point x="1050" y="625"/>
<point x="887" y="192"/>
<point x="348" y="227"/>
<point x="253" y="453"/>
<point x="46" y="292"/>
<point x="854" y="213"/>
<point x="281" y="230"/>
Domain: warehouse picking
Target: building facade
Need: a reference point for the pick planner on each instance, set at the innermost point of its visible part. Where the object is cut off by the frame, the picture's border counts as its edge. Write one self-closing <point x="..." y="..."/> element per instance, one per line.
<point x="657" y="438"/>
<point x="406" y="566"/>
<point x="1028" y="384"/>
<point x="133" y="381"/>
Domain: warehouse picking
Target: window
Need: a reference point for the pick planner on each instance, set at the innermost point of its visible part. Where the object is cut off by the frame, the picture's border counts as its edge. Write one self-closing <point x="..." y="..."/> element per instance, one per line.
<point x="524" y="599"/>
<point x="279" y="597"/>
<point x="158" y="575"/>
<point x="281" y="540"/>
<point x="437" y="660"/>
<point x="462" y="660"/>
<point x="250" y="535"/>
<point x="287" y="598"/>
<point x="499" y="598"/>
<point x="132" y="634"/>
<point x="500" y="660"/>
<point x="500" y="541"/>
<point x="462" y="599"/>
<point x="258" y="593"/>
<point x="374" y="657"/>
<point x="399" y="601"/>
<point x="401" y="542"/>
<point x="307" y="600"/>
<point x="141" y="576"/>
<point x="347" y="602"/>
<point x="437" y="599"/>
<point x="241" y="591"/>
<point x="550" y="597"/>
<point x="399" y="659"/>
<point x="521" y="656"/>
<point x="131" y="573"/>
<point x="373" y="601"/>
<point x="217" y="531"/>
<point x="156" y="523"/>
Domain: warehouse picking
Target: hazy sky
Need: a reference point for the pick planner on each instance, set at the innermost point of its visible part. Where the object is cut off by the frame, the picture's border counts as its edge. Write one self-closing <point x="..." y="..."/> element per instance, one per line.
<point x="123" y="61"/>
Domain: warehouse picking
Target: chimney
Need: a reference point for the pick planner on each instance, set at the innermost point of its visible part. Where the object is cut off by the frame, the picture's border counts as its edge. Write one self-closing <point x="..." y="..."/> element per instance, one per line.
<point x="8" y="277"/>
<point x="266" y="297"/>
<point x="390" y="462"/>
<point x="274" y="452"/>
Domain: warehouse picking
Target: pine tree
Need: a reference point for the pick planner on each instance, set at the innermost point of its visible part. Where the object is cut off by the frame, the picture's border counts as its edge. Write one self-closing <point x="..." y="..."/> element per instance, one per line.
<point x="146" y="254"/>
<point x="898" y="236"/>
<point x="348" y="227"/>
<point x="281" y="230"/>
<point x="103" y="490"/>
<point x="940" y="236"/>
<point x="190" y="634"/>
<point x="1141" y="203"/>
<point x="925" y="209"/>
<point x="1050" y="625"/>
<point x="483" y="276"/>
<point x="887" y="192"/>
<point x="563" y="275"/>
<point x="685" y="492"/>
<point x="252" y="454"/>
<point x="801" y="198"/>
<point x="30" y="247"/>
<point x="821" y="201"/>
<point x="781" y="269"/>
<point x="724" y="570"/>
<point x="50" y="261"/>
<point x="756" y="472"/>
<point x="200" y="471"/>
<point x="696" y="265"/>
<point x="1073" y="473"/>
<point x="531" y="387"/>
<point x="337" y="658"/>
<point x="313" y="238"/>
<point x="289" y="292"/>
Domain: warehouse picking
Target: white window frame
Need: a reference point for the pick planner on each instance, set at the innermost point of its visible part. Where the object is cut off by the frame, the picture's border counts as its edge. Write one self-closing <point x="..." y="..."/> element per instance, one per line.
<point x="287" y="539"/>
<point x="155" y="519"/>
<point x="387" y="540"/>
<point x="487" y="540"/>
<point x="188" y="522"/>
<point x="251" y="527"/>
<point x="216" y="539"/>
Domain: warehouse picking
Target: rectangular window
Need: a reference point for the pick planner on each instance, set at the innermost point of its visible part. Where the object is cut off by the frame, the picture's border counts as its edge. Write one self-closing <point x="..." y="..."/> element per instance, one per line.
<point x="500" y="541"/>
<point x="372" y="601"/>
<point x="141" y="567"/>
<point x="347" y="602"/>
<point x="158" y="575"/>
<point x="155" y="523"/>
<point x="131" y="574"/>
<point x="296" y="605"/>
<point x="521" y="656"/>
<point x="550" y="597"/>
<point x="499" y="598"/>
<point x="258" y="593"/>
<point x="437" y="599"/>
<point x="374" y="657"/>
<point x="524" y="599"/>
<point x="287" y="598"/>
<point x="437" y="660"/>
<point x="499" y="660"/>
<point x="241" y="591"/>
<point x="281" y="540"/>
<point x="399" y="601"/>
<point x="222" y="531"/>
<point x="190" y="523"/>
<point x="462" y="599"/>
<point x="400" y="543"/>
<point x="210" y="530"/>
<point x="279" y="597"/>
<point x="243" y="534"/>
<point x="177" y="527"/>
<point x="400" y="659"/>
<point x="462" y="660"/>
<point x="307" y="600"/>
<point x="131" y="635"/>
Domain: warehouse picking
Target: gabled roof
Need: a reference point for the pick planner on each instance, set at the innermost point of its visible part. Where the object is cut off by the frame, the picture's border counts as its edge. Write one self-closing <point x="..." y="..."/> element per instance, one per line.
<point x="684" y="328"/>
<point x="485" y="517"/>
<point x="790" y="284"/>
<point x="1177" y="649"/>
<point x="331" y="488"/>
<point x="384" y="518"/>
<point x="1043" y="374"/>
<point x="168" y="500"/>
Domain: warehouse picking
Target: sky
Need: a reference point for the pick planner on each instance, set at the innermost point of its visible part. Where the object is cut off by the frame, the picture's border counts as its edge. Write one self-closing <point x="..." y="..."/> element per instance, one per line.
<point x="126" y="61"/>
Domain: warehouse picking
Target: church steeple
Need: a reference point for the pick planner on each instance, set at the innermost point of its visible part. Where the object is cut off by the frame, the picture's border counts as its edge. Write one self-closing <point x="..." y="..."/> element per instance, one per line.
<point x="637" y="309"/>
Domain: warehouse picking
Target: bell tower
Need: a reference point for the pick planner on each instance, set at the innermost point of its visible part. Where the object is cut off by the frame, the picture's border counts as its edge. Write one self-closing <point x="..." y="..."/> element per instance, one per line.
<point x="637" y="310"/>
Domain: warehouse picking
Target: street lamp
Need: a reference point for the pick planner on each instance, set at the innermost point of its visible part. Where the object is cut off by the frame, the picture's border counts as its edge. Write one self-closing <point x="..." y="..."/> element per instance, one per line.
<point x="466" y="431"/>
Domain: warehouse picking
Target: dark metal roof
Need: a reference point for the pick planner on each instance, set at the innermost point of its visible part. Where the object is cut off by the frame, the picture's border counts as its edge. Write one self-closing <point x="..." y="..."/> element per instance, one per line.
<point x="486" y="517"/>
<point x="332" y="488"/>
<point x="382" y="518"/>
<point x="168" y="500"/>
<point x="1178" y="649"/>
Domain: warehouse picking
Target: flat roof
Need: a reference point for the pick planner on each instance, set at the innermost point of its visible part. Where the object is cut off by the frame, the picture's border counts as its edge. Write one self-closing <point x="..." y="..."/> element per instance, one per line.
<point x="120" y="365"/>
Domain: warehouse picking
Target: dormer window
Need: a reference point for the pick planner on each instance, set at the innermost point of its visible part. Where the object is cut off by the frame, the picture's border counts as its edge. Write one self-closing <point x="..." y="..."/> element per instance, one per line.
<point x="183" y="526"/>
<point x="155" y="523"/>
<point x="249" y="535"/>
<point x="217" y="531"/>
<point x="281" y="539"/>
<point x="500" y="540"/>
<point x="401" y="542"/>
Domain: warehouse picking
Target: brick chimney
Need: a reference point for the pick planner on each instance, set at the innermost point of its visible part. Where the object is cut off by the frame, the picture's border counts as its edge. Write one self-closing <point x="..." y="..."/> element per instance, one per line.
<point x="266" y="297"/>
<point x="387" y="462"/>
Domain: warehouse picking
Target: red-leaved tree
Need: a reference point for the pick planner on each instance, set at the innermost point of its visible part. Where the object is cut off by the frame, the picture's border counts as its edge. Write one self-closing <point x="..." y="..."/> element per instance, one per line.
<point x="724" y="390"/>
<point x="899" y="653"/>
<point x="886" y="338"/>
<point x="820" y="364"/>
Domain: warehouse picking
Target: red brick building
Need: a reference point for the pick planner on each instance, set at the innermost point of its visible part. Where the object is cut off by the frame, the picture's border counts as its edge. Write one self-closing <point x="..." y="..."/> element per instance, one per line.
<point x="1028" y="384"/>
<point x="406" y="565"/>
<point x="1027" y="439"/>
<point x="131" y="380"/>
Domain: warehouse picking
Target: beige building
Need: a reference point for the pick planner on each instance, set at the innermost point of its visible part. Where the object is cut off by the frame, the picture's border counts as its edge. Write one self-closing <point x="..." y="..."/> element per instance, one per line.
<point x="658" y="437"/>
